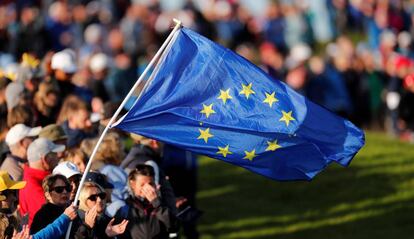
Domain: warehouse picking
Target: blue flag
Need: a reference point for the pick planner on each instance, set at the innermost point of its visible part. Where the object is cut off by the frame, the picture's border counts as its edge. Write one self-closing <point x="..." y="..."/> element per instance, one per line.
<point x="207" y="99"/>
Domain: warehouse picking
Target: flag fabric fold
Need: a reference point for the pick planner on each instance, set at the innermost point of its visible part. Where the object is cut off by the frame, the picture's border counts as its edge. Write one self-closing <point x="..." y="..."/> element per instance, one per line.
<point x="209" y="100"/>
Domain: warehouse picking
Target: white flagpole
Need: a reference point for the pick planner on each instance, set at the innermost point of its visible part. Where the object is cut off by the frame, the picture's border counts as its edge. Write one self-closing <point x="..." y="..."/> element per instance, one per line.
<point x="111" y="121"/>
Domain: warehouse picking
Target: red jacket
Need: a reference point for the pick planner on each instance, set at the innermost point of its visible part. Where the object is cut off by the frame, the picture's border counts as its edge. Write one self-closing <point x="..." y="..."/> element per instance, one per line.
<point x="31" y="197"/>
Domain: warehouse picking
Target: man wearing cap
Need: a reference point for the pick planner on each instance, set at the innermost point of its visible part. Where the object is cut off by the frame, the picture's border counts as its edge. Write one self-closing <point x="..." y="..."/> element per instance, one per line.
<point x="18" y="139"/>
<point x="56" y="134"/>
<point x="42" y="158"/>
<point x="8" y="203"/>
<point x="64" y="66"/>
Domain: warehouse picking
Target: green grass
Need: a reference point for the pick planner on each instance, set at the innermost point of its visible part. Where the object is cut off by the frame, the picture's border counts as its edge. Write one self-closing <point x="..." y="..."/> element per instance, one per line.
<point x="372" y="198"/>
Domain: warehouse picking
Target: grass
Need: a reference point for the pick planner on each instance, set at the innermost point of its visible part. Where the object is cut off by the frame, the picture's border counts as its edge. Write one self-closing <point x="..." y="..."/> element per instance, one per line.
<point x="372" y="198"/>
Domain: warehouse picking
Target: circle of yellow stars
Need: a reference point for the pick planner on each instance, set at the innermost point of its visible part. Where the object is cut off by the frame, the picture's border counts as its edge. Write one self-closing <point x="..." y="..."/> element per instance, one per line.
<point x="247" y="91"/>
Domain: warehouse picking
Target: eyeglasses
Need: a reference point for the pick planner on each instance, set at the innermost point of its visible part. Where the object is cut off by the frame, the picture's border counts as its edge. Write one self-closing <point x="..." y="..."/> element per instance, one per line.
<point x="60" y="189"/>
<point x="94" y="197"/>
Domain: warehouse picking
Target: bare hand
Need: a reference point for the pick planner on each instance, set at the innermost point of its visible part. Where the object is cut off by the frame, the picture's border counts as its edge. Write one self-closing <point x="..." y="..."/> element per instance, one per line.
<point x="71" y="212"/>
<point x="23" y="234"/>
<point x="149" y="192"/>
<point x="90" y="216"/>
<point x="114" y="230"/>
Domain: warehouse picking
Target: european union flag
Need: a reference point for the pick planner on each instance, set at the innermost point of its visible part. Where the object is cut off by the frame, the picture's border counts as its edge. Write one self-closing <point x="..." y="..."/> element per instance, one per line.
<point x="209" y="100"/>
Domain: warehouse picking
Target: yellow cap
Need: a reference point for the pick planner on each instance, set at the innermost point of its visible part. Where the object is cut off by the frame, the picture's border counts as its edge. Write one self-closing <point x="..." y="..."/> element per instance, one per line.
<point x="7" y="183"/>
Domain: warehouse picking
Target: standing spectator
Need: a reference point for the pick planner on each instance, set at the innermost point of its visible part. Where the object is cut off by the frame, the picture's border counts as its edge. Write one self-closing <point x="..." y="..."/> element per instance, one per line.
<point x="47" y="102"/>
<point x="42" y="157"/>
<point x="56" y="190"/>
<point x="71" y="172"/>
<point x="8" y="204"/>
<point x="146" y="210"/>
<point x="93" y="223"/>
<point x="77" y="123"/>
<point x="64" y="66"/>
<point x="18" y="139"/>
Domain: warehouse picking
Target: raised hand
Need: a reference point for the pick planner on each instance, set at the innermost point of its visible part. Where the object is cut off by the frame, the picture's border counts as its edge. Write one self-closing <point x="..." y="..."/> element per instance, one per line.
<point x="90" y="216"/>
<point x="23" y="234"/>
<point x="114" y="230"/>
<point x="149" y="192"/>
<point x="71" y="212"/>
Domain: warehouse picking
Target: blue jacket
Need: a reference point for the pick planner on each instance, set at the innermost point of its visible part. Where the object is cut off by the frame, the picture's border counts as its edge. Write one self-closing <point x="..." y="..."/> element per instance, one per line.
<point x="56" y="229"/>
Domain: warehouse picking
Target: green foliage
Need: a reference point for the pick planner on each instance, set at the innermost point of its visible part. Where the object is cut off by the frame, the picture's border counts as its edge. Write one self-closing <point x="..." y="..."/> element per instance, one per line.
<point x="372" y="198"/>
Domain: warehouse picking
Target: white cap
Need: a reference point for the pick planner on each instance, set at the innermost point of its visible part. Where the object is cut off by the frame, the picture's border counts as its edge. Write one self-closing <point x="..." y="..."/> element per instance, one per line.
<point x="14" y="93"/>
<point x="19" y="132"/>
<point x="65" y="61"/>
<point x="42" y="146"/>
<point x="99" y="62"/>
<point x="67" y="169"/>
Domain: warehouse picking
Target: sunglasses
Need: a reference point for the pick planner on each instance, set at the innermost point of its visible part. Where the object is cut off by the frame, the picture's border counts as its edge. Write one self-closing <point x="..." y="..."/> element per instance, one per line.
<point x="94" y="197"/>
<point x="60" y="189"/>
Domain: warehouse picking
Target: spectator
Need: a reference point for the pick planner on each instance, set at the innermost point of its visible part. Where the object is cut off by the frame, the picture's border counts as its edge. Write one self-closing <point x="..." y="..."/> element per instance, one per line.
<point x="56" y="190"/>
<point x="47" y="101"/>
<point x="8" y="204"/>
<point x="18" y="139"/>
<point x="71" y="172"/>
<point x="20" y="114"/>
<point x="92" y="222"/>
<point x="77" y="123"/>
<point x="78" y="158"/>
<point x="42" y="157"/>
<point x="146" y="210"/>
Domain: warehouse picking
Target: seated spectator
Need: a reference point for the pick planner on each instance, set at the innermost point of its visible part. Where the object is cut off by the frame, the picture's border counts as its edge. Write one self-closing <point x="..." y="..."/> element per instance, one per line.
<point x="71" y="172"/>
<point x="18" y="139"/>
<point x="42" y="158"/>
<point x="92" y="222"/>
<point x="56" y="189"/>
<point x="146" y="209"/>
<point x="8" y="204"/>
<point x="54" y="133"/>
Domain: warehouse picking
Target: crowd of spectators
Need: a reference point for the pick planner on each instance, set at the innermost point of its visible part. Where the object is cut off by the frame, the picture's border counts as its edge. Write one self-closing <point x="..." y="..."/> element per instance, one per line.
<point x="65" y="66"/>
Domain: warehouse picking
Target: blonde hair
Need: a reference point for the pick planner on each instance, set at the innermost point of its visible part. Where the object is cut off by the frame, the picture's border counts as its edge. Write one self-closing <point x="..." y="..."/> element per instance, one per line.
<point x="84" y="194"/>
<point x="71" y="105"/>
<point x="111" y="150"/>
<point x="72" y="153"/>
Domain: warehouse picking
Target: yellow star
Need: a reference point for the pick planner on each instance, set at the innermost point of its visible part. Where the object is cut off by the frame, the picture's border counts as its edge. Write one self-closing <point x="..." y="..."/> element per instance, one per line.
<point x="247" y="90"/>
<point x="205" y="134"/>
<point x="250" y="155"/>
<point x="208" y="110"/>
<point x="224" y="151"/>
<point x="225" y="95"/>
<point x="270" y="99"/>
<point x="272" y="146"/>
<point x="287" y="117"/>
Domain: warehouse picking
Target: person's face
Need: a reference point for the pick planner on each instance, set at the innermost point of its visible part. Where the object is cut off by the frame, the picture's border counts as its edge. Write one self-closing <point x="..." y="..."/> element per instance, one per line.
<point x="59" y="193"/>
<point x="96" y="197"/>
<point x="81" y="120"/>
<point x="138" y="184"/>
<point x="74" y="183"/>
<point x="78" y="161"/>
<point x="11" y="199"/>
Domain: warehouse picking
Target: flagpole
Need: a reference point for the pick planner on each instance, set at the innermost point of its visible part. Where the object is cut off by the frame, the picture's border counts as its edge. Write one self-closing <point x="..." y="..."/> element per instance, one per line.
<point x="111" y="121"/>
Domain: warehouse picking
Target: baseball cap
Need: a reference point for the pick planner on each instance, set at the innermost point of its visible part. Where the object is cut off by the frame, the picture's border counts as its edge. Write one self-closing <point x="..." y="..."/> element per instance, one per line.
<point x="67" y="169"/>
<point x="19" y="132"/>
<point x="65" y="61"/>
<point x="53" y="132"/>
<point x="100" y="179"/>
<point x="42" y="146"/>
<point x="14" y="92"/>
<point x="6" y="182"/>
